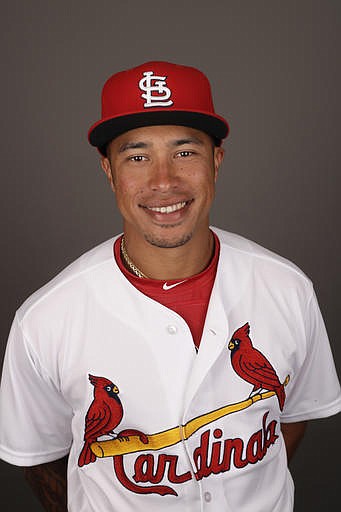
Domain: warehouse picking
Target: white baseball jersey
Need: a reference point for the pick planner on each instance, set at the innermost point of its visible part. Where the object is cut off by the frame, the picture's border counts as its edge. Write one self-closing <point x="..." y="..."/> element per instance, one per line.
<point x="167" y="428"/>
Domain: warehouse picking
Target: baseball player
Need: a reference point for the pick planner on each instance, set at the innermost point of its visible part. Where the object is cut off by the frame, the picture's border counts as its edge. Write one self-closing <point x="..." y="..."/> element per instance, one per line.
<point x="173" y="367"/>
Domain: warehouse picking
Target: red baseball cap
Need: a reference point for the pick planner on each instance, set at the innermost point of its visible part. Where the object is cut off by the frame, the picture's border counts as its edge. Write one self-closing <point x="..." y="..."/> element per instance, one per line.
<point x="156" y="93"/>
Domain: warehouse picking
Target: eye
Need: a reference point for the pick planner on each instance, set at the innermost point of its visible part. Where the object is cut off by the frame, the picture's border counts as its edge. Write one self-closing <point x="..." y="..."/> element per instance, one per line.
<point x="185" y="153"/>
<point x="108" y="388"/>
<point x="137" y="158"/>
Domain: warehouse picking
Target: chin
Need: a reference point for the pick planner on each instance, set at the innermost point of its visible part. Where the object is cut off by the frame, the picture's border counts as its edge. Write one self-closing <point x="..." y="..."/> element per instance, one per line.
<point x="169" y="242"/>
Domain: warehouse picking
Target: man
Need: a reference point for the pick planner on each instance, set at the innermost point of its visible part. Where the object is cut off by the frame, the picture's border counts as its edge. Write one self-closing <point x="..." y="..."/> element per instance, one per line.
<point x="174" y="366"/>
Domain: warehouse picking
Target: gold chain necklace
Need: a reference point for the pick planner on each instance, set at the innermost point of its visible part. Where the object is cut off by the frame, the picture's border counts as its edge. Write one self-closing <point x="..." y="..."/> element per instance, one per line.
<point x="129" y="264"/>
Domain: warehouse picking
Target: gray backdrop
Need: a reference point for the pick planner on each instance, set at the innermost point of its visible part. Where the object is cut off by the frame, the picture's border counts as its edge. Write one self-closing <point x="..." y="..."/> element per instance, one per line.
<point x="275" y="70"/>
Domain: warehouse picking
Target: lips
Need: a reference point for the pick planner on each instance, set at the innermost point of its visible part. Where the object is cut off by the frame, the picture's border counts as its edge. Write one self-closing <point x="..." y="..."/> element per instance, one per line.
<point x="171" y="208"/>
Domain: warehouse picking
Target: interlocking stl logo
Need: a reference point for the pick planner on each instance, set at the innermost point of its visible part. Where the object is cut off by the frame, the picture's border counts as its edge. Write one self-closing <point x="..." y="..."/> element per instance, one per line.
<point x="156" y="92"/>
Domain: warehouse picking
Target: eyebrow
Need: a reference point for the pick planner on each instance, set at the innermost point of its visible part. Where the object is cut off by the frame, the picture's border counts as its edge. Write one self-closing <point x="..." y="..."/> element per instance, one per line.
<point x="133" y="145"/>
<point x="175" y="143"/>
<point x="187" y="140"/>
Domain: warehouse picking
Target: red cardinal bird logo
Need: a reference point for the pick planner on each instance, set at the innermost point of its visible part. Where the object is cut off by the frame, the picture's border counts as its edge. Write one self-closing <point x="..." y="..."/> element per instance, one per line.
<point x="251" y="365"/>
<point x="103" y="416"/>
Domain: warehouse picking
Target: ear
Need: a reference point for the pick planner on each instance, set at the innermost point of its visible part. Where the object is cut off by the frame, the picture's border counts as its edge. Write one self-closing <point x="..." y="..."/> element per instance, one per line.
<point x="218" y="158"/>
<point x="106" y="166"/>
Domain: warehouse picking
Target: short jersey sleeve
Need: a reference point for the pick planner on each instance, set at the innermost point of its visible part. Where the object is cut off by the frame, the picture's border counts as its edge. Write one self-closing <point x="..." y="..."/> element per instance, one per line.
<point x="35" y="420"/>
<point x="315" y="387"/>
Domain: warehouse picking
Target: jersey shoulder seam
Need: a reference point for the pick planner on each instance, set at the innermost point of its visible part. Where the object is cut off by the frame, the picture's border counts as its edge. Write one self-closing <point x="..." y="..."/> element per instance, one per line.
<point x="62" y="281"/>
<point x="272" y="257"/>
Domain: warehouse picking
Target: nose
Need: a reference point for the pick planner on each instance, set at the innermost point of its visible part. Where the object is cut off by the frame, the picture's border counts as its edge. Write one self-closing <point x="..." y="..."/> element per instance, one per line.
<point x="163" y="176"/>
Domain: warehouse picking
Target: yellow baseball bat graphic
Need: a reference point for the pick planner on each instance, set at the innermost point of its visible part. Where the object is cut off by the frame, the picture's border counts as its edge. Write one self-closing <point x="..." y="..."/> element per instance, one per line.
<point x="172" y="436"/>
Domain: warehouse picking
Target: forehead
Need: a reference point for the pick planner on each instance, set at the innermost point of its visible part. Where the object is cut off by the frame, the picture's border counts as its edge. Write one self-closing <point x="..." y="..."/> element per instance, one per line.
<point x="152" y="136"/>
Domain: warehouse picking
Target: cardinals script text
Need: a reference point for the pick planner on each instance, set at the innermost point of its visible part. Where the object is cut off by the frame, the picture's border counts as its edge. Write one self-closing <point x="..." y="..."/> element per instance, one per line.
<point x="214" y="455"/>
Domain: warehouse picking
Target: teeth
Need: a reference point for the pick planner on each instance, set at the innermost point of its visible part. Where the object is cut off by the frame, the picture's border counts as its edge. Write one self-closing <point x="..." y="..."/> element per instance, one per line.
<point x="168" y="209"/>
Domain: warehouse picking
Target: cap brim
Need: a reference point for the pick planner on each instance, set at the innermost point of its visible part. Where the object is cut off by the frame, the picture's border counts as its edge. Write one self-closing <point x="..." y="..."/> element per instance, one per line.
<point x="105" y="130"/>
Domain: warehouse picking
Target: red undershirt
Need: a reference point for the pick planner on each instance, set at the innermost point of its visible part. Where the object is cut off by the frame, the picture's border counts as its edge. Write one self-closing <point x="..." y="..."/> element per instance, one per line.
<point x="189" y="299"/>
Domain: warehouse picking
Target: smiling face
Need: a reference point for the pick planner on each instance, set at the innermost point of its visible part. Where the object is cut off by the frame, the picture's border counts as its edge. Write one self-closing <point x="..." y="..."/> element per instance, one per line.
<point x="164" y="180"/>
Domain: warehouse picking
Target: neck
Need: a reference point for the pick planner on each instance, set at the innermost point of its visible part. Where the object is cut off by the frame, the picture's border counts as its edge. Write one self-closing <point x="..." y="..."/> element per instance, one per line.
<point x="170" y="263"/>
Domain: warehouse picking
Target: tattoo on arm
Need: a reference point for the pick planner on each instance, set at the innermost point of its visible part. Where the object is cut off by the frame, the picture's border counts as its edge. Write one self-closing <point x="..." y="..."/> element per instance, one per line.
<point x="48" y="482"/>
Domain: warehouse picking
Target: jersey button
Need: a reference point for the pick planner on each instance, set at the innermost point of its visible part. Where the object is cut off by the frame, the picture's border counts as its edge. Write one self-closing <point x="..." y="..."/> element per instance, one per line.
<point x="207" y="496"/>
<point x="172" y="329"/>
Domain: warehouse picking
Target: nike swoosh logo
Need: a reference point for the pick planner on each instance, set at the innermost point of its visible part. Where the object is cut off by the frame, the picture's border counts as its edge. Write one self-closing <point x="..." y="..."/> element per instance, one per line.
<point x="170" y="286"/>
